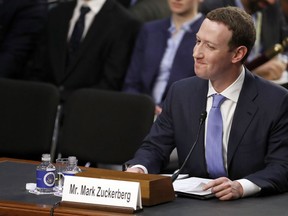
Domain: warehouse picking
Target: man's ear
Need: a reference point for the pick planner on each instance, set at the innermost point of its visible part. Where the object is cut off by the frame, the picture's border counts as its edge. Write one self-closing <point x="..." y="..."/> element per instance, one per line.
<point x="239" y="54"/>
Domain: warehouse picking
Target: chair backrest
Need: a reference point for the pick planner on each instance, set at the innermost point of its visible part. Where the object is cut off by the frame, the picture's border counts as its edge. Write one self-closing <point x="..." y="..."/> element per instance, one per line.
<point x="105" y="127"/>
<point x="27" y="116"/>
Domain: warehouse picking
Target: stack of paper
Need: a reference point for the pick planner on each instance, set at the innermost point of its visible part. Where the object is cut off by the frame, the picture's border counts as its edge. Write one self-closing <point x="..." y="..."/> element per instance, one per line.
<point x="192" y="187"/>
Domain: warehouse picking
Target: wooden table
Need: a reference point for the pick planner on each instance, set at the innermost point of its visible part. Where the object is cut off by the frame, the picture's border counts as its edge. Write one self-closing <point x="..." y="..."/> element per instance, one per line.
<point x="16" y="201"/>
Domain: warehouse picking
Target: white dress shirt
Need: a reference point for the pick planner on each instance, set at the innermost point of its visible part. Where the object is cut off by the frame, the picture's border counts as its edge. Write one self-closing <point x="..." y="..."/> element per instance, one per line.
<point x="227" y="110"/>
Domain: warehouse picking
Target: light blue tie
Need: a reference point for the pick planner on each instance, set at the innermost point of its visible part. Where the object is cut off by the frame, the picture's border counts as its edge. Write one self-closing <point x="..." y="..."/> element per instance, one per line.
<point x="214" y="154"/>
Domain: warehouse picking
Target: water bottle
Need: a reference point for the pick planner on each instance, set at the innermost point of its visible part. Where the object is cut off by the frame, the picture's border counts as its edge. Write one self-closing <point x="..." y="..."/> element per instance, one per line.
<point x="45" y="175"/>
<point x="72" y="167"/>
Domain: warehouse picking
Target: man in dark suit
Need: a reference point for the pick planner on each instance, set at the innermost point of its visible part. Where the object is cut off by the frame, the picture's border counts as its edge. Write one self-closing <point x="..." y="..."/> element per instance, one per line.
<point x="21" y="22"/>
<point x="270" y="27"/>
<point x="102" y="57"/>
<point x="163" y="49"/>
<point x="254" y="142"/>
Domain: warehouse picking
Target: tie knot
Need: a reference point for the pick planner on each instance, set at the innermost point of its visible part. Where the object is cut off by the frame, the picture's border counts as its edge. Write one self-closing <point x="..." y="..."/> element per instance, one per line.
<point x="84" y="10"/>
<point x="218" y="99"/>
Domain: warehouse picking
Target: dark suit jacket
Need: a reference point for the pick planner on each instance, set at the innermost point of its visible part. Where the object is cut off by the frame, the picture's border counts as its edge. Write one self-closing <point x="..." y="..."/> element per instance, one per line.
<point x="104" y="54"/>
<point x="258" y="142"/>
<point x="125" y="3"/>
<point x="149" y="51"/>
<point x="21" y="22"/>
<point x="273" y="22"/>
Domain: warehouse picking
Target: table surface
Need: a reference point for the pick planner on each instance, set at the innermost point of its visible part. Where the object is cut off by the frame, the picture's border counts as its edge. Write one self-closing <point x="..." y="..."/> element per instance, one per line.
<point x="15" y="175"/>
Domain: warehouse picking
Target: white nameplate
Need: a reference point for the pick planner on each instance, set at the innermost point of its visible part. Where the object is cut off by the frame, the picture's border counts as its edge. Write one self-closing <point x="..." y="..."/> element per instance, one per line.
<point x="102" y="192"/>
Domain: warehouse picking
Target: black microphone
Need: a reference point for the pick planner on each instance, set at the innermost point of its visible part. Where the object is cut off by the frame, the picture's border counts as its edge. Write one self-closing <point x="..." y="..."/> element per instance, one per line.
<point x="177" y="172"/>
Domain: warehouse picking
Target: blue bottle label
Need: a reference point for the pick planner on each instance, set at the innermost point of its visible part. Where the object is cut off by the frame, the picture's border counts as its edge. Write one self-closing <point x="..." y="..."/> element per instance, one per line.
<point x="45" y="179"/>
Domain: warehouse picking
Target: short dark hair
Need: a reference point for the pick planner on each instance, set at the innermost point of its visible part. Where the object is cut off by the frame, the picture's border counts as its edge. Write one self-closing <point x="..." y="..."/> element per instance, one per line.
<point x="240" y="23"/>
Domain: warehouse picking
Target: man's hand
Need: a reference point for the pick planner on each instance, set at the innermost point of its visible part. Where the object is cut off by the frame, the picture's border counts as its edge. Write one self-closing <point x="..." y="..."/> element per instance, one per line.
<point x="271" y="70"/>
<point x="225" y="189"/>
<point x="158" y="110"/>
<point x="135" y="170"/>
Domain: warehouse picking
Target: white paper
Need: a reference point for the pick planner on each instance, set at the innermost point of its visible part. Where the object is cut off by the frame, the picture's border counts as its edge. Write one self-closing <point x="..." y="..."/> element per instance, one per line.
<point x="192" y="185"/>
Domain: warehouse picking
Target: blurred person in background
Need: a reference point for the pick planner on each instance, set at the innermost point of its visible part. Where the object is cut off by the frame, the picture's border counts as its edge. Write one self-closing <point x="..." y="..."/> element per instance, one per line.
<point x="21" y="24"/>
<point x="88" y="44"/>
<point x="163" y="52"/>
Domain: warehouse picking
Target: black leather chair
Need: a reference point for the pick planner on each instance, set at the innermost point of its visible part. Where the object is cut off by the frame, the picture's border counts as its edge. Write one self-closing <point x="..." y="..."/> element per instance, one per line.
<point x="104" y="127"/>
<point x="27" y="116"/>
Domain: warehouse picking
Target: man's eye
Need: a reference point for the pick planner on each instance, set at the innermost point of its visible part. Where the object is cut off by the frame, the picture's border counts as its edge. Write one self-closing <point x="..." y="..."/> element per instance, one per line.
<point x="210" y="46"/>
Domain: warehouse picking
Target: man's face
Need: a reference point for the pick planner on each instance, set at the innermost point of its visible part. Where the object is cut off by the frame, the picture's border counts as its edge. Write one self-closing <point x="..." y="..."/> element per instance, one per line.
<point x="213" y="60"/>
<point x="257" y="5"/>
<point x="183" y="7"/>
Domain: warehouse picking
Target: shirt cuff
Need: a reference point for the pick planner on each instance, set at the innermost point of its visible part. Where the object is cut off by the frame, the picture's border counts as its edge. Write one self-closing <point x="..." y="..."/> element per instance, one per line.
<point x="141" y="167"/>
<point x="249" y="188"/>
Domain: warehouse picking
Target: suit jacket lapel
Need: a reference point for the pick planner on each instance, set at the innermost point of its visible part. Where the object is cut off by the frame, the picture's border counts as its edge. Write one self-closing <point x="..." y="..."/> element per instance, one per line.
<point x="196" y="106"/>
<point x="157" y="51"/>
<point x="244" y="113"/>
<point x="154" y="45"/>
<point x="58" y="31"/>
<point x="199" y="152"/>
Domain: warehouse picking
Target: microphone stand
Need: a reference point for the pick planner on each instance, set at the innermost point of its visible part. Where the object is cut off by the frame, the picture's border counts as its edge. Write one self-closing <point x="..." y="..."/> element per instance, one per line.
<point x="177" y="172"/>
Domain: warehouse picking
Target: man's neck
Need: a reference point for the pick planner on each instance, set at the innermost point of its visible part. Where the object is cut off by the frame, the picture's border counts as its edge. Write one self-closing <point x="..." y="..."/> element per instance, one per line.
<point x="230" y="77"/>
<point x="179" y="20"/>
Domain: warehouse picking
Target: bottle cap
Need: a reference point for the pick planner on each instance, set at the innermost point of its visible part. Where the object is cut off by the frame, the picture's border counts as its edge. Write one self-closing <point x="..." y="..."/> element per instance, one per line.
<point x="72" y="159"/>
<point x="46" y="157"/>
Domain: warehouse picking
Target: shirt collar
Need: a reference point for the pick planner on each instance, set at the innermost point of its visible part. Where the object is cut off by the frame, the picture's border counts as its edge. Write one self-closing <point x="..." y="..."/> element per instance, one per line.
<point x="232" y="92"/>
<point x="186" y="27"/>
<point x="94" y="5"/>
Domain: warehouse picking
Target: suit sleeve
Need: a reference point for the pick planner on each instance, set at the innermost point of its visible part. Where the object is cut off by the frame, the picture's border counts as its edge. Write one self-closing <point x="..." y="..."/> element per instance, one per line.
<point x="155" y="151"/>
<point x="274" y="177"/>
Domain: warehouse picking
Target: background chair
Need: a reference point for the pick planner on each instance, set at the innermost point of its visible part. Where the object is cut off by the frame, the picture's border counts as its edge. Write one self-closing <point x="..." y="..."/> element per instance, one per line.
<point x="149" y="10"/>
<point x="27" y="115"/>
<point x="104" y="127"/>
